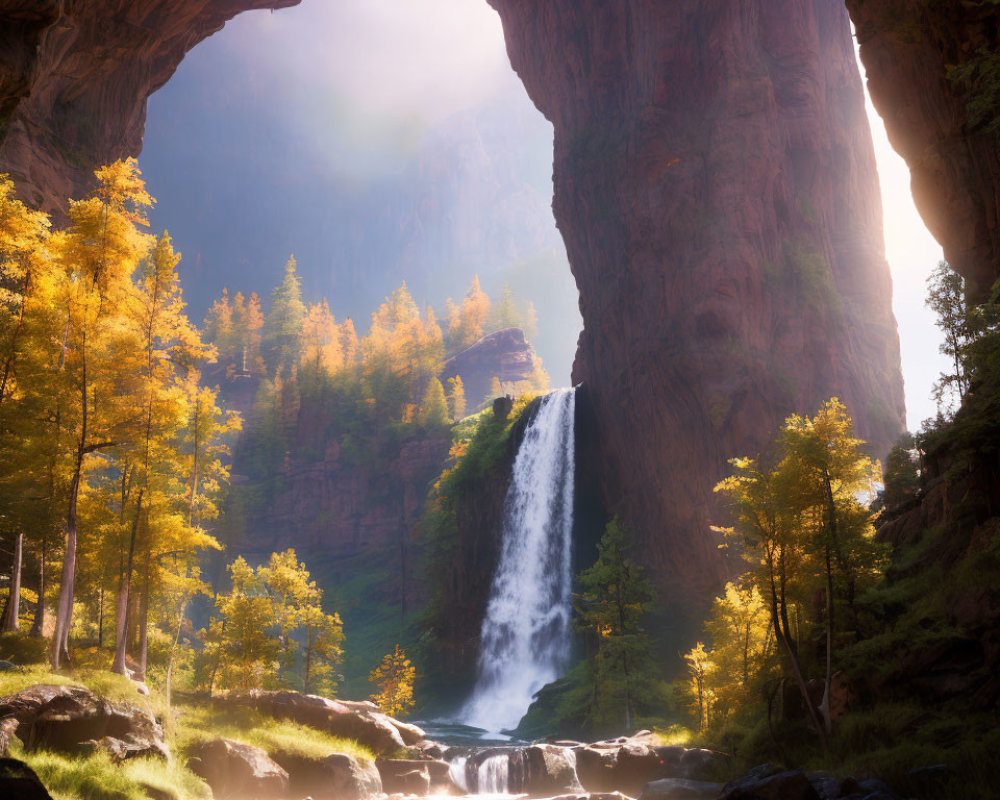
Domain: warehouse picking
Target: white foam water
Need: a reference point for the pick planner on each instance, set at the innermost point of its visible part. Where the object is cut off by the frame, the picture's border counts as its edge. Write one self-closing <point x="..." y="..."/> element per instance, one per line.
<point x="525" y="640"/>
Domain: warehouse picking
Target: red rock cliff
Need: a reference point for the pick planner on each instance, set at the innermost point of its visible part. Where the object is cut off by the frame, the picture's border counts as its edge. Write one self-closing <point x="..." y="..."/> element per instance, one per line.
<point x="716" y="187"/>
<point x="714" y="183"/>
<point x="932" y="72"/>
<point x="74" y="78"/>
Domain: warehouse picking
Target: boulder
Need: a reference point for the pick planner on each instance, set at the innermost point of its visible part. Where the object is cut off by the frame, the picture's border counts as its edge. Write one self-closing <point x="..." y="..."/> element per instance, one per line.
<point x="399" y="775"/>
<point x="680" y="789"/>
<point x="18" y="780"/>
<point x="362" y="722"/>
<point x="333" y="777"/>
<point x="71" y="718"/>
<point x="351" y="779"/>
<point x="543" y="770"/>
<point x="766" y="783"/>
<point x="8" y="727"/>
<point x="127" y="747"/>
<point x="238" y="771"/>
<point x="627" y="765"/>
<point x="403" y="776"/>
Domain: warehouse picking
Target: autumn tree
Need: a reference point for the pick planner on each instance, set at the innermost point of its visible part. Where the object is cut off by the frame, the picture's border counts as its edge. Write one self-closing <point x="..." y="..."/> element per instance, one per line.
<point x="393" y="679"/>
<point x="102" y="250"/>
<point x="456" y="398"/>
<point x="700" y="667"/>
<point x="467" y="320"/>
<point x="322" y="650"/>
<point x="803" y="520"/>
<point x="255" y="640"/>
<point x="615" y="595"/>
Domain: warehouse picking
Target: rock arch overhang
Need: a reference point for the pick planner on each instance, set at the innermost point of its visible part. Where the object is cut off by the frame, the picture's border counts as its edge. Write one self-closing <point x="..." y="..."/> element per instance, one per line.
<point x="715" y="185"/>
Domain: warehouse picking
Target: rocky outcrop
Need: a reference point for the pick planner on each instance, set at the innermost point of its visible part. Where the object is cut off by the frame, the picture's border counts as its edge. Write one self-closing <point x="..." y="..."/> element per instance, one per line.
<point x="543" y="770"/>
<point x="628" y="765"/>
<point x="74" y="78"/>
<point x="931" y="70"/>
<point x="505" y="355"/>
<point x="361" y="721"/>
<point x="716" y="188"/>
<point x="235" y="770"/>
<point x="73" y="719"/>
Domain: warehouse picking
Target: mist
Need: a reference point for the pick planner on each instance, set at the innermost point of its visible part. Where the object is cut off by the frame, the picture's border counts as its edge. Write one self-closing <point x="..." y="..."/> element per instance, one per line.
<point x="378" y="142"/>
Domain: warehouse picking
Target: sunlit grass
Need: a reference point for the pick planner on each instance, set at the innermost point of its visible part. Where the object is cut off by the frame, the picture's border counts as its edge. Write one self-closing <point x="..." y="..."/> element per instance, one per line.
<point x="673" y="735"/>
<point x="97" y="777"/>
<point x="198" y="724"/>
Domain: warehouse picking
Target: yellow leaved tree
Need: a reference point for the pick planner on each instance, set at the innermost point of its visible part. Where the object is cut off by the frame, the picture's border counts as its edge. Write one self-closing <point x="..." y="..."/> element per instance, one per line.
<point x="394" y="679"/>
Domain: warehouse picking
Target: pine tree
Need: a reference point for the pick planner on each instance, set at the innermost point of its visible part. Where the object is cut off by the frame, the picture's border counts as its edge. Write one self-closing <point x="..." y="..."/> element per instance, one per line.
<point x="283" y="326"/>
<point x="434" y="409"/>
<point x="614" y="598"/>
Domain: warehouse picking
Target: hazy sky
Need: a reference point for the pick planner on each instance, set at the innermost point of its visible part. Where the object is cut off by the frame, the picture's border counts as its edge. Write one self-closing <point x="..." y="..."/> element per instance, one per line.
<point x="913" y="253"/>
<point x="361" y="85"/>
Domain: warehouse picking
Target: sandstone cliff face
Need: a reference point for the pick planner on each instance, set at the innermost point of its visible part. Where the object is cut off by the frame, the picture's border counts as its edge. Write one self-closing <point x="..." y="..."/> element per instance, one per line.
<point x="506" y="355"/>
<point x="74" y="78"/>
<point x="911" y="49"/>
<point x="716" y="187"/>
<point x="714" y="183"/>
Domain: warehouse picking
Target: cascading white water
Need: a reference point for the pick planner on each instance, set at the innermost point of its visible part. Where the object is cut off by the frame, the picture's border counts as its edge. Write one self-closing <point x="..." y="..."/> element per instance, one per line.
<point x="493" y="775"/>
<point x="525" y="639"/>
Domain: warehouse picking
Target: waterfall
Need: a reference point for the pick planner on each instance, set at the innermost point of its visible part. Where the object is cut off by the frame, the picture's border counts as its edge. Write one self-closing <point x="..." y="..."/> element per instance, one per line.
<point x="525" y="639"/>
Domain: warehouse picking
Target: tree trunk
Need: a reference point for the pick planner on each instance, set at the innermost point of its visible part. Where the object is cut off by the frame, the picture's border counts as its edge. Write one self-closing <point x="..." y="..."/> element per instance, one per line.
<point x="824" y="706"/>
<point x="59" y="646"/>
<point x="784" y="636"/>
<point x="173" y="648"/>
<point x="38" y="626"/>
<point x="140" y="671"/>
<point x="13" y="614"/>
<point x="308" y="663"/>
<point x="121" y="620"/>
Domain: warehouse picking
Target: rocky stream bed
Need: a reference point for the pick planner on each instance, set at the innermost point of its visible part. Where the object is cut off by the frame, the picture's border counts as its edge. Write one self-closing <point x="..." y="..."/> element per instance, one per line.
<point x="75" y="720"/>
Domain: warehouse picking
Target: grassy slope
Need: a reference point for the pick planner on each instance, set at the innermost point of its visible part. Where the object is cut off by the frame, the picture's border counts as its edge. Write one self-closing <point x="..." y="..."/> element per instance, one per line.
<point x="95" y="777"/>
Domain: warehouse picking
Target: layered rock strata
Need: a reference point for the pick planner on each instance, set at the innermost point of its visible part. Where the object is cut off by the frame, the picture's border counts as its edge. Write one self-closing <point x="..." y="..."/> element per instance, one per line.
<point x="716" y="187"/>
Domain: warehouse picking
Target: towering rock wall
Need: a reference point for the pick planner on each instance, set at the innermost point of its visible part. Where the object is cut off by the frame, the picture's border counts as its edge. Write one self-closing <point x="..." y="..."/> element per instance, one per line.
<point x="74" y="78"/>
<point x="716" y="187"/>
<point x="934" y="75"/>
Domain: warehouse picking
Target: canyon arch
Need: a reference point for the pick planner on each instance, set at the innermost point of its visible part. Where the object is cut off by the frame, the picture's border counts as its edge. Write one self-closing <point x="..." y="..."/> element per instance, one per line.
<point x="715" y="185"/>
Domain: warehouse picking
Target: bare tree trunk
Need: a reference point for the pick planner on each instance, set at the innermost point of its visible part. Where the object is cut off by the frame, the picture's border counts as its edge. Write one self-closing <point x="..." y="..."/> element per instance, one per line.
<point x="121" y="621"/>
<point x="140" y="670"/>
<point x="64" y="611"/>
<point x="38" y="626"/>
<point x="173" y="648"/>
<point x="13" y="613"/>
